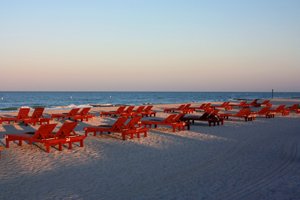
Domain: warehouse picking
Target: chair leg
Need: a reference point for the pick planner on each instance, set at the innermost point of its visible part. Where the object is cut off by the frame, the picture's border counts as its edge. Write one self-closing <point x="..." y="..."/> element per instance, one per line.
<point x="7" y="143"/>
<point x="60" y="146"/>
<point x="81" y="143"/>
<point x="47" y="146"/>
<point x="70" y="145"/>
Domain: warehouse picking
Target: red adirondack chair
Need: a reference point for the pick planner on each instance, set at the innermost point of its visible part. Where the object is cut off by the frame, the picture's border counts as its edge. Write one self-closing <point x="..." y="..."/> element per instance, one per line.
<point x="138" y="111"/>
<point x="211" y="116"/>
<point x="113" y="113"/>
<point x="169" y="121"/>
<point x="280" y="110"/>
<point x="41" y="135"/>
<point x="264" y="112"/>
<point x="202" y="107"/>
<point x="243" y="113"/>
<point x="133" y="128"/>
<point x="83" y="115"/>
<point x="70" y="114"/>
<point x="182" y="106"/>
<point x="148" y="112"/>
<point x="66" y="135"/>
<point x="36" y="117"/>
<point x="224" y="105"/>
<point x="294" y="108"/>
<point x="127" y="111"/>
<point x="118" y="126"/>
<point x="22" y="114"/>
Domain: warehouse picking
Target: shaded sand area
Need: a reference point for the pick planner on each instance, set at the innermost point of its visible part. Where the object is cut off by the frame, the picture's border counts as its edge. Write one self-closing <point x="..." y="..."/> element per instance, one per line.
<point x="240" y="160"/>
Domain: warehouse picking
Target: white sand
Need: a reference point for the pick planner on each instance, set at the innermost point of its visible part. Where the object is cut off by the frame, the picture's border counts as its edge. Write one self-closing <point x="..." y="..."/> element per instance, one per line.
<point x="240" y="160"/>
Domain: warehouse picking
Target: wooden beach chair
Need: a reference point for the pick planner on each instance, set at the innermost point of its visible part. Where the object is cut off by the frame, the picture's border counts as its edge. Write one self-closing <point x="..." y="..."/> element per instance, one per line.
<point x="148" y="112"/>
<point x="138" y="111"/>
<point x="36" y="117"/>
<point x="202" y="107"/>
<point x="113" y="113"/>
<point x="127" y="111"/>
<point x="133" y="128"/>
<point x="83" y="115"/>
<point x="68" y="115"/>
<point x="265" y="111"/>
<point x="179" y="108"/>
<point x="41" y="135"/>
<point x="280" y="110"/>
<point x="293" y="108"/>
<point x="224" y="105"/>
<point x="118" y="126"/>
<point x="22" y="114"/>
<point x="66" y="135"/>
<point x="168" y="121"/>
<point x="210" y="115"/>
<point x="243" y="113"/>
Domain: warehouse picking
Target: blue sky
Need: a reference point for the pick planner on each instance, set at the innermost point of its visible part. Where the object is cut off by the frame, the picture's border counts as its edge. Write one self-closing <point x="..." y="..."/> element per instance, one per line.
<point x="150" y="45"/>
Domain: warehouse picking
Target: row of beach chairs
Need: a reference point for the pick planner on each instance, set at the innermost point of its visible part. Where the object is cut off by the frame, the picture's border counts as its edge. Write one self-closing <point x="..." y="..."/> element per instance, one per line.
<point x="130" y="121"/>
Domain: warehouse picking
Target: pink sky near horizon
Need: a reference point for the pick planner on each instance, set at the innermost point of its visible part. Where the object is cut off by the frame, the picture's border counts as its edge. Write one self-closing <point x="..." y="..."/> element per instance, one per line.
<point x="175" y="48"/>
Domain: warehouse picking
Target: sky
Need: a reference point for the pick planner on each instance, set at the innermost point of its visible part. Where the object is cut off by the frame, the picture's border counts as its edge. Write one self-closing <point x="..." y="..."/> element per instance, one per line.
<point x="150" y="45"/>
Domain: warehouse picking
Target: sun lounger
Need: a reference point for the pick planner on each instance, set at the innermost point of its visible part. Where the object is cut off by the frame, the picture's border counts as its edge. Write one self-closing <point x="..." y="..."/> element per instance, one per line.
<point x="243" y="113"/>
<point x="68" y="115"/>
<point x="293" y="108"/>
<point x="36" y="117"/>
<point x="169" y="121"/>
<point x="133" y="113"/>
<point x="113" y="113"/>
<point x="133" y="128"/>
<point x="42" y="135"/>
<point x="202" y="107"/>
<point x="210" y="117"/>
<point x="280" y="110"/>
<point x="118" y="126"/>
<point x="83" y="115"/>
<point x="266" y="112"/>
<point x="22" y="114"/>
<point x="66" y="135"/>
<point x="148" y="112"/>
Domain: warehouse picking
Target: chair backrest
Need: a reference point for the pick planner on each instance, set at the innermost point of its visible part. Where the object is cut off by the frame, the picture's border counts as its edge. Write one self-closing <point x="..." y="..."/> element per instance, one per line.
<point x="66" y="129"/>
<point x="84" y="111"/>
<point x="224" y="104"/>
<point x="254" y="102"/>
<point x="169" y="119"/>
<point x="178" y="117"/>
<point x="44" y="131"/>
<point x="120" y="109"/>
<point x="73" y="111"/>
<point x="280" y="108"/>
<point x="119" y="124"/>
<point x="263" y="111"/>
<point x="243" y="103"/>
<point x="140" y="109"/>
<point x="23" y="113"/>
<point x="294" y="107"/>
<point x="182" y="106"/>
<point x="134" y="121"/>
<point x="243" y="112"/>
<point x="265" y="102"/>
<point x="129" y="109"/>
<point x="148" y="108"/>
<point x="38" y="112"/>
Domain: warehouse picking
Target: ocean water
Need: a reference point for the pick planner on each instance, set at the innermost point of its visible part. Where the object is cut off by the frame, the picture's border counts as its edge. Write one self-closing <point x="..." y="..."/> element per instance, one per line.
<point x="14" y="100"/>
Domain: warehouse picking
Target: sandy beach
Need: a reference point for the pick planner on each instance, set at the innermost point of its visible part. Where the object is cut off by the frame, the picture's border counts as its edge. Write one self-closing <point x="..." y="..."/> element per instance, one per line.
<point x="259" y="159"/>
